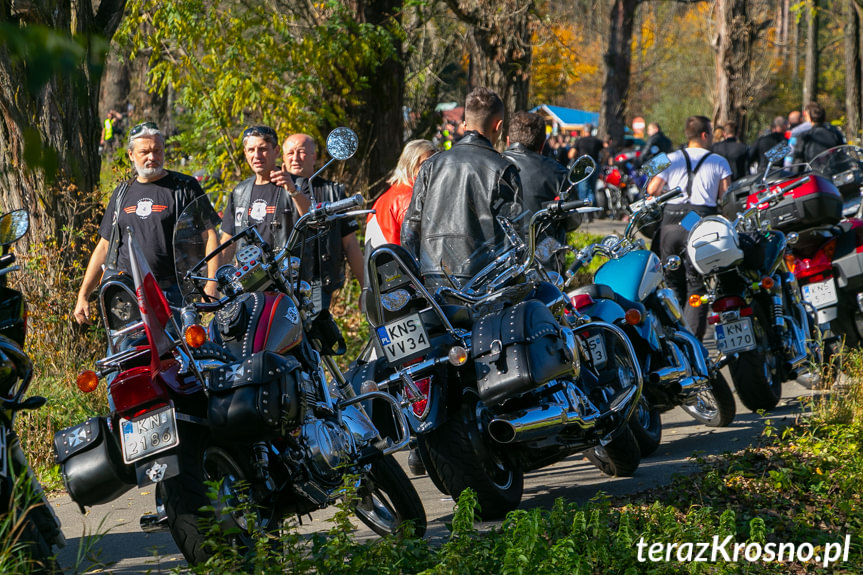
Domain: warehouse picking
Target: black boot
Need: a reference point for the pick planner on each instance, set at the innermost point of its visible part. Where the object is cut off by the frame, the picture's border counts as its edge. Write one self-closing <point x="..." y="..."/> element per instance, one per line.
<point x="415" y="463"/>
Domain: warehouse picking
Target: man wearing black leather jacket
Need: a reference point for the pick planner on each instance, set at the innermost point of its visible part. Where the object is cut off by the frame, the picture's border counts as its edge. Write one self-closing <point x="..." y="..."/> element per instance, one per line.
<point x="542" y="178"/>
<point x="657" y="143"/>
<point x="457" y="195"/>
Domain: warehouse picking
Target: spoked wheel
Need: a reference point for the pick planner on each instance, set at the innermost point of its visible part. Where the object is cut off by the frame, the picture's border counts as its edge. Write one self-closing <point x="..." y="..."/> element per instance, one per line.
<point x="714" y="406"/>
<point x="463" y="456"/>
<point x="388" y="499"/>
<point x="646" y="426"/>
<point x="186" y="494"/>
<point x="619" y="458"/>
<point x="756" y="374"/>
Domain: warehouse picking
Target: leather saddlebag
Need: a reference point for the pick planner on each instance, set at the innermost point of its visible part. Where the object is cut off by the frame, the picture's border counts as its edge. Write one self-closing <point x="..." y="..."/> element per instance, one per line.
<point x="517" y="350"/>
<point x="254" y="398"/>
<point x="92" y="463"/>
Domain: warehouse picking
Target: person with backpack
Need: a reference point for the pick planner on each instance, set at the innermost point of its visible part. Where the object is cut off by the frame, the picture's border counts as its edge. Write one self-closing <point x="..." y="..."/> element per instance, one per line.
<point x="150" y="204"/>
<point x="820" y="137"/>
<point x="703" y="176"/>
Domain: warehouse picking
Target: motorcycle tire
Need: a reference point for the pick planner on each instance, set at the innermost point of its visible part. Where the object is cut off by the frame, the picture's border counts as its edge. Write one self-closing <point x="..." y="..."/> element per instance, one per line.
<point x="620" y="458"/>
<point x="463" y="456"/>
<point x="714" y="407"/>
<point x="185" y="494"/>
<point x="388" y="499"/>
<point x="646" y="426"/>
<point x="756" y="374"/>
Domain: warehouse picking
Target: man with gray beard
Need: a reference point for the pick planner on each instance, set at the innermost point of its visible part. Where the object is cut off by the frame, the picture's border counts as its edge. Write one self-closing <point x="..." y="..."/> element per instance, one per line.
<point x="150" y="204"/>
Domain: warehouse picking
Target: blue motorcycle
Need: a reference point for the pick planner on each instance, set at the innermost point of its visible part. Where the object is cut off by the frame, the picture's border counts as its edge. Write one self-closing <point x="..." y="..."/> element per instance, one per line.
<point x="629" y="290"/>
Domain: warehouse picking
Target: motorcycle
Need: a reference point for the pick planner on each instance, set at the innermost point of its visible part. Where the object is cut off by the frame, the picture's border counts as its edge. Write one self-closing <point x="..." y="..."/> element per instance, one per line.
<point x="618" y="185"/>
<point x="761" y="322"/>
<point x="36" y="526"/>
<point x="826" y="258"/>
<point x="629" y="290"/>
<point x="245" y="403"/>
<point x="494" y="371"/>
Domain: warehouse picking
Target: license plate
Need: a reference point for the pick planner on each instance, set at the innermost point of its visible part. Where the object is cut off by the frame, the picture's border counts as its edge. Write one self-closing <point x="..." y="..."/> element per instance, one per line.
<point x="151" y="433"/>
<point x="821" y="294"/>
<point x="735" y="336"/>
<point x="403" y="338"/>
<point x="596" y="349"/>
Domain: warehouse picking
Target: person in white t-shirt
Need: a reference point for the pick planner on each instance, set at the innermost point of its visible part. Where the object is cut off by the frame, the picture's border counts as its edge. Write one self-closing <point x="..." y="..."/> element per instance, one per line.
<point x="703" y="176"/>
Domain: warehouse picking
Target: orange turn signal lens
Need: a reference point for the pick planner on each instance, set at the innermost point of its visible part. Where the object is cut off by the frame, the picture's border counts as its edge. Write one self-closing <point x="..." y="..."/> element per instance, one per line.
<point x="767" y="282"/>
<point x="195" y="336"/>
<point x="695" y="300"/>
<point x="457" y="355"/>
<point x="632" y="316"/>
<point x="87" y="381"/>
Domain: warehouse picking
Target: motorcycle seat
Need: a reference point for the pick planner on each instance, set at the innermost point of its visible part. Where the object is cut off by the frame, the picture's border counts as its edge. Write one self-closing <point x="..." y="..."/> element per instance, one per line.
<point x="602" y="291"/>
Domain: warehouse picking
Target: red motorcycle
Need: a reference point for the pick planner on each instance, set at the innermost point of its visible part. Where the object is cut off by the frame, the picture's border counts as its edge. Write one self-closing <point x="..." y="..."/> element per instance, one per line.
<point x="825" y="251"/>
<point x="247" y="403"/>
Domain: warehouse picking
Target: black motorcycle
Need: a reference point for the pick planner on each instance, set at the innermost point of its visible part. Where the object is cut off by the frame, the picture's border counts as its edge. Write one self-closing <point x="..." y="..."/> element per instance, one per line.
<point x="495" y="372"/>
<point x="35" y="524"/>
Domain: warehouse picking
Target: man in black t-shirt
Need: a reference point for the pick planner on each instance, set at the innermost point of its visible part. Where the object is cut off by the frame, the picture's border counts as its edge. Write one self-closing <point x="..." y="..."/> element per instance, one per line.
<point x="268" y="200"/>
<point x="323" y="259"/>
<point x="766" y="142"/>
<point x="150" y="205"/>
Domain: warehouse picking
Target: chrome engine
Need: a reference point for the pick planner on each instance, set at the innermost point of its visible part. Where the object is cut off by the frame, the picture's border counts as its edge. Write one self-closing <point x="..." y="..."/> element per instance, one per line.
<point x="328" y="448"/>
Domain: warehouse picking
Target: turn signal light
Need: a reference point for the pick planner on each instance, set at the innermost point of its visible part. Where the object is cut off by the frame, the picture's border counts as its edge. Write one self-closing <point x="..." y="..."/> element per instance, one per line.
<point x="369" y="386"/>
<point x="195" y="335"/>
<point x="632" y="316"/>
<point x="696" y="300"/>
<point x="767" y="282"/>
<point x="87" y="381"/>
<point x="457" y="355"/>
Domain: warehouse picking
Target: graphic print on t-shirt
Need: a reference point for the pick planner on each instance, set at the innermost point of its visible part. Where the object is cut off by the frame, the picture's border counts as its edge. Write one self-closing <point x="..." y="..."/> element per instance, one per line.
<point x="259" y="210"/>
<point x="144" y="207"/>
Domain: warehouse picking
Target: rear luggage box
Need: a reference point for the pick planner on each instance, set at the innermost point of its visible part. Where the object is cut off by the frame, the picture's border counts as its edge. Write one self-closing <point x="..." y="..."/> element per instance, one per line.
<point x="814" y="203"/>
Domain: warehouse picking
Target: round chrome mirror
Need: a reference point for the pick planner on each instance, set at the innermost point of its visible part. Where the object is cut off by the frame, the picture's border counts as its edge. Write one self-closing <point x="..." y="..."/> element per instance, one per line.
<point x="13" y="226"/>
<point x="581" y="169"/>
<point x="342" y="143"/>
<point x="778" y="152"/>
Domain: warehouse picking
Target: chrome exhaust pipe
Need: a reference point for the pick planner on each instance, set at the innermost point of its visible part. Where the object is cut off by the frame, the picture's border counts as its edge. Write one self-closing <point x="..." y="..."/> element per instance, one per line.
<point x="677" y="371"/>
<point x="699" y="363"/>
<point x="530" y="424"/>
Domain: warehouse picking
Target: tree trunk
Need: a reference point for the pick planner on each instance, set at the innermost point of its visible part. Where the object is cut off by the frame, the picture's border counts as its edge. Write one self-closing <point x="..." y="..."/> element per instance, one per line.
<point x="50" y="128"/>
<point x="499" y="43"/>
<point x="380" y="119"/>
<point x="810" y="77"/>
<point x="617" y="61"/>
<point x="852" y="71"/>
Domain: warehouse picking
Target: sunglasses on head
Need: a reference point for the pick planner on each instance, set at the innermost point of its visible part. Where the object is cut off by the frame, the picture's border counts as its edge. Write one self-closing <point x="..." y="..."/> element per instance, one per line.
<point x="259" y="131"/>
<point x="140" y="128"/>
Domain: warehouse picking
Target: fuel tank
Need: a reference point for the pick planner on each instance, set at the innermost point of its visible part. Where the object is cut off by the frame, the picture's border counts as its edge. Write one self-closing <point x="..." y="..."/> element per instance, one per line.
<point x="634" y="276"/>
<point x="259" y="321"/>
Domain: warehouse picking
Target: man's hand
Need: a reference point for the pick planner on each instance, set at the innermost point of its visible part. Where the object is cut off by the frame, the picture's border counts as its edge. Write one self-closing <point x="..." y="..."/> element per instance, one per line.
<point x="82" y="311"/>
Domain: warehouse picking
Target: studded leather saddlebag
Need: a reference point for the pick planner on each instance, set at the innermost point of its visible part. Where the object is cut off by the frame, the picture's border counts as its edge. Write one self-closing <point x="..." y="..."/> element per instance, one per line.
<point x="253" y="398"/>
<point x="517" y="350"/>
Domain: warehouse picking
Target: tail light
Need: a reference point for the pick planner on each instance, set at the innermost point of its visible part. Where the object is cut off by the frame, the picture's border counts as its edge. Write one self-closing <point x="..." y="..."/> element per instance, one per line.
<point x="136" y="388"/>
<point x="820" y="264"/>
<point x="581" y="300"/>
<point x="421" y="407"/>
<point x="728" y="303"/>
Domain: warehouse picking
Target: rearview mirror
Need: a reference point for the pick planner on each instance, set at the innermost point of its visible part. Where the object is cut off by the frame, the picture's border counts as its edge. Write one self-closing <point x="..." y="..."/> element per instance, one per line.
<point x="656" y="165"/>
<point x="13" y="226"/>
<point x="342" y="143"/>
<point x="581" y="169"/>
<point x="777" y="152"/>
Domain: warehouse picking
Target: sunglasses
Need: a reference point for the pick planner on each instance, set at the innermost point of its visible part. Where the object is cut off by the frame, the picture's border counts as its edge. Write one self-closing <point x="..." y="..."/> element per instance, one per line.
<point x="140" y="128"/>
<point x="259" y="131"/>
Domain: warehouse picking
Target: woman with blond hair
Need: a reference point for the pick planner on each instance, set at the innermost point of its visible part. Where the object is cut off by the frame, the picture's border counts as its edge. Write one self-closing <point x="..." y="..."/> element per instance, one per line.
<point x="384" y="226"/>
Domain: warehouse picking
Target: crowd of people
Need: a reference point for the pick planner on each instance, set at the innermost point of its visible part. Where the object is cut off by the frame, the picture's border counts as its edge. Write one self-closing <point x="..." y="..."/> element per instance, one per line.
<point x="444" y="194"/>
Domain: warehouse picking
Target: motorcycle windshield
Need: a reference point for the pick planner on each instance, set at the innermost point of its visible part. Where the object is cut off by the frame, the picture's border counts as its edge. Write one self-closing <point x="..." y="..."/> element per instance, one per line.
<point x="191" y="231"/>
<point x="838" y="161"/>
